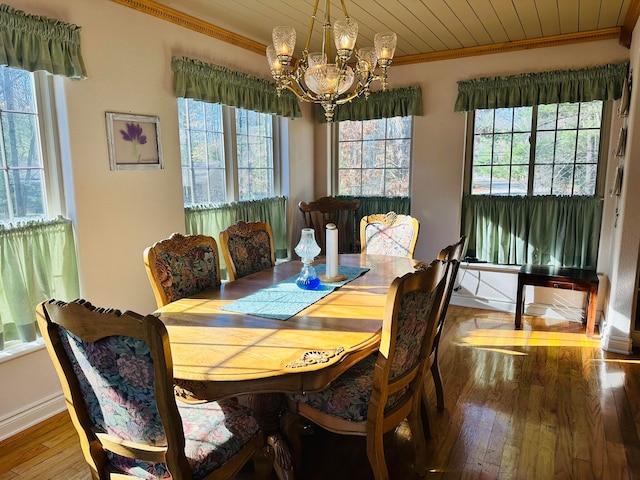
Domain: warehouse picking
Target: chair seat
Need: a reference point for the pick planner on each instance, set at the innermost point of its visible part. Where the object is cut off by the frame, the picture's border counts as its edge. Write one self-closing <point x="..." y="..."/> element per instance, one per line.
<point x="348" y="396"/>
<point x="214" y="432"/>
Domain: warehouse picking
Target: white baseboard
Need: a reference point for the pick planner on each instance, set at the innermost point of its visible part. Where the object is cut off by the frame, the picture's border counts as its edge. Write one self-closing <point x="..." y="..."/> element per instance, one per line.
<point x="33" y="414"/>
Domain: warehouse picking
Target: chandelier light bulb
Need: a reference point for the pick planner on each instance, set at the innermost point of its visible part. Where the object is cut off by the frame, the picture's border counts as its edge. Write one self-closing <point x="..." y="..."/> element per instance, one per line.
<point x="385" y="44"/>
<point x="272" y="58"/>
<point x="345" y="34"/>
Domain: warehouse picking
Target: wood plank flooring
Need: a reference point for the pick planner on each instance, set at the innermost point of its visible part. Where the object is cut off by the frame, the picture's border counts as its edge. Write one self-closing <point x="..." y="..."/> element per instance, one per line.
<point x="541" y="403"/>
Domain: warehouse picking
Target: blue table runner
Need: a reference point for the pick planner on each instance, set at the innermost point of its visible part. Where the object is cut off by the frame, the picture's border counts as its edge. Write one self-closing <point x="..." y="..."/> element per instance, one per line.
<point x="284" y="299"/>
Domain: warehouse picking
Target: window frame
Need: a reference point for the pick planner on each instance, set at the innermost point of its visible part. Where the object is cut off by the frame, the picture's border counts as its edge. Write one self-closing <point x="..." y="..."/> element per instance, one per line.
<point x="334" y="146"/>
<point x="229" y="139"/>
<point x="603" y="157"/>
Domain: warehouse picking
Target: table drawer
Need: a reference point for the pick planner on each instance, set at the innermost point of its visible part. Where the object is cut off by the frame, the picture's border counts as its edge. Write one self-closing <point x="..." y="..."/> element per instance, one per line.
<point x="556" y="284"/>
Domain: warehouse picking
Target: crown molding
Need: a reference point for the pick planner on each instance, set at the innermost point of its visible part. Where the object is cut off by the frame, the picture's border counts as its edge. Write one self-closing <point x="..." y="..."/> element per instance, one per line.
<point x="192" y="23"/>
<point x="553" y="41"/>
<point x="629" y="23"/>
<point x="169" y="14"/>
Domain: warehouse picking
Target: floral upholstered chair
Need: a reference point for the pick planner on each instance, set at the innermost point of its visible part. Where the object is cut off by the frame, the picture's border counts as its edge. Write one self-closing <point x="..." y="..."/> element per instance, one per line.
<point x="181" y="266"/>
<point x="376" y="394"/>
<point x="247" y="248"/>
<point x="116" y="373"/>
<point x="389" y="234"/>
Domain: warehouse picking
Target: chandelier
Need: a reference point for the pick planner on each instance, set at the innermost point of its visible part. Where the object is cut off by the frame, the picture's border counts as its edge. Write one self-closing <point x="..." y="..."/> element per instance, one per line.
<point x="312" y="79"/>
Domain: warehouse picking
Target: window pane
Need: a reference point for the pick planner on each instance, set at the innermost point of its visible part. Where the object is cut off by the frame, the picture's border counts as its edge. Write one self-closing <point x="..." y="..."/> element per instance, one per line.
<point x="547" y="115"/>
<point x="542" y="180"/>
<point x="566" y="146"/>
<point x="350" y="181"/>
<point x="254" y="143"/>
<point x="519" y="180"/>
<point x="585" y="181"/>
<point x="562" y="180"/>
<point x="483" y="150"/>
<point x="522" y="117"/>
<point x="521" y="148"/>
<point x="588" y="146"/>
<point x="567" y="116"/>
<point x="374" y="129"/>
<point x="217" y="186"/>
<point x="545" y="147"/>
<point x="383" y="152"/>
<point x="504" y="120"/>
<point x="502" y="149"/>
<point x="483" y="121"/>
<point x="591" y="114"/>
<point x="22" y="194"/>
<point x="481" y="181"/>
<point x="373" y="154"/>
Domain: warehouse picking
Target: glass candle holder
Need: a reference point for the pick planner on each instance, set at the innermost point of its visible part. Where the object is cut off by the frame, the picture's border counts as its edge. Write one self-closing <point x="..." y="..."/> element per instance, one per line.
<point x="307" y="249"/>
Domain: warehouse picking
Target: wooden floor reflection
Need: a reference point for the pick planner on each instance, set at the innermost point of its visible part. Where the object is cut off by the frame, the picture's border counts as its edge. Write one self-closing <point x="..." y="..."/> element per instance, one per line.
<point x="544" y="402"/>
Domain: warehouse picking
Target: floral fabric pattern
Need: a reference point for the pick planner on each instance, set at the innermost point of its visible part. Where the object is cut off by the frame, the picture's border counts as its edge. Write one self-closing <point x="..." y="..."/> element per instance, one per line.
<point x="394" y="240"/>
<point x="348" y="397"/>
<point x="187" y="274"/>
<point x="117" y="381"/>
<point x="250" y="253"/>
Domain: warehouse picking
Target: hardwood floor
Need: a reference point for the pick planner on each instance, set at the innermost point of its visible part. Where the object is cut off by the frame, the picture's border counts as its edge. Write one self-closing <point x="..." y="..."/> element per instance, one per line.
<point x="544" y="402"/>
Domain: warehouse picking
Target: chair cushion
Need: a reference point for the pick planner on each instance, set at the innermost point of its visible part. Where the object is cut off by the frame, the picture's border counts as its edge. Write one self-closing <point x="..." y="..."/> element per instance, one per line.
<point x="348" y="397"/>
<point x="392" y="240"/>
<point x="214" y="432"/>
<point x="187" y="274"/>
<point x="117" y="381"/>
<point x="251" y="253"/>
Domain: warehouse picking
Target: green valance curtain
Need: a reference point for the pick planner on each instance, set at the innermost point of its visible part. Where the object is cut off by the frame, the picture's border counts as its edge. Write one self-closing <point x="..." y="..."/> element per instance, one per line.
<point x="562" y="86"/>
<point x="32" y="43"/>
<point x="539" y="230"/>
<point x="215" y="84"/>
<point x="212" y="219"/>
<point x="399" y="102"/>
<point x="38" y="262"/>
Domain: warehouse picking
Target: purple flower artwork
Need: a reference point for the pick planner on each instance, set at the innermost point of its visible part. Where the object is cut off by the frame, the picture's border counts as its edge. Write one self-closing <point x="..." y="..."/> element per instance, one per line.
<point x="134" y="135"/>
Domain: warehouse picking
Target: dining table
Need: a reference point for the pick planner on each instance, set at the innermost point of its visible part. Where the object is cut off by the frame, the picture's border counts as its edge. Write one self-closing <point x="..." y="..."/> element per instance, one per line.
<point x="218" y="352"/>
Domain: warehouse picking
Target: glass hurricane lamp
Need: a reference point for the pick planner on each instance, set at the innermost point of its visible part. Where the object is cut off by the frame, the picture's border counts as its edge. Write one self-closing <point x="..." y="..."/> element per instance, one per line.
<point x="307" y="249"/>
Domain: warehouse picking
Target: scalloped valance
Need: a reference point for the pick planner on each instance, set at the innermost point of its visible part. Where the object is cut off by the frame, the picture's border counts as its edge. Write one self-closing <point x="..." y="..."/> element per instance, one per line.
<point x="215" y="84"/>
<point x="33" y="43"/>
<point x="561" y="86"/>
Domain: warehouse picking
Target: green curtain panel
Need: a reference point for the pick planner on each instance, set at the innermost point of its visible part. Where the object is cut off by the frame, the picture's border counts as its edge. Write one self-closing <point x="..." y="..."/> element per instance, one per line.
<point x="540" y="230"/>
<point x="211" y="220"/>
<point x="372" y="205"/>
<point x="215" y="84"/>
<point x="38" y="262"/>
<point x="605" y="82"/>
<point x="398" y="102"/>
<point x="32" y="43"/>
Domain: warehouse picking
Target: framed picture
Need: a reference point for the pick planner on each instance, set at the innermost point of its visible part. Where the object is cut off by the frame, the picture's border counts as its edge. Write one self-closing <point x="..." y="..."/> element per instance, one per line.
<point x="134" y="142"/>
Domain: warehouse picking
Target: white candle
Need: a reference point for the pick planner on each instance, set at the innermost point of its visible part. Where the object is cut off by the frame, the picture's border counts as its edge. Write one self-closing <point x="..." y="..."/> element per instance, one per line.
<point x="332" y="250"/>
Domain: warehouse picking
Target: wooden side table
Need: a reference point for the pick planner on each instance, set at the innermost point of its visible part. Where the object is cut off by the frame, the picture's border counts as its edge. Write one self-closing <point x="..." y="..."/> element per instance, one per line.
<point x="559" y="277"/>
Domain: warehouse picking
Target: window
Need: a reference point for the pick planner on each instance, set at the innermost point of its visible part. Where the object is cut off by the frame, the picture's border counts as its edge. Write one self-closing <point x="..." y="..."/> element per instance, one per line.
<point x="228" y="154"/>
<point x="22" y="165"/>
<point x="373" y="157"/>
<point x="542" y="150"/>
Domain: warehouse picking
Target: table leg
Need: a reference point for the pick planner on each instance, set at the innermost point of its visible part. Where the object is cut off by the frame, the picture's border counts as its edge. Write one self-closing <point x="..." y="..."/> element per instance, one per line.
<point x="592" y="304"/>
<point x="519" y="303"/>
<point x="268" y="407"/>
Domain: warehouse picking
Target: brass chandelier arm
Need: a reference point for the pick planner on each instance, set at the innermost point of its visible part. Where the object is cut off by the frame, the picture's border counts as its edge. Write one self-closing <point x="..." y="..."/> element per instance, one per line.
<point x="313" y="21"/>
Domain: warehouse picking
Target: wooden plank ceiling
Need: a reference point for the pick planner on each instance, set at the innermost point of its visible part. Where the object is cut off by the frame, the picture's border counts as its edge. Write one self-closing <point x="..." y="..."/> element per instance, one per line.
<point x="427" y="29"/>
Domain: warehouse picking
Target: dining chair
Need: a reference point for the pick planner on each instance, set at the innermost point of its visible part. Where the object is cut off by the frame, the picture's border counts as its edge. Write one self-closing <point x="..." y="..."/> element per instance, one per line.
<point x="247" y="248"/>
<point x="451" y="257"/>
<point x="342" y="213"/>
<point x="182" y="265"/>
<point x="378" y="393"/>
<point x="389" y="234"/>
<point x="117" y="378"/>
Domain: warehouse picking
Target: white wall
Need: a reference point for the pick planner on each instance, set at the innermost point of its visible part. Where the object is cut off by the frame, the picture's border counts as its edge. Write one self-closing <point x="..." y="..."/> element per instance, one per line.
<point x="117" y="214"/>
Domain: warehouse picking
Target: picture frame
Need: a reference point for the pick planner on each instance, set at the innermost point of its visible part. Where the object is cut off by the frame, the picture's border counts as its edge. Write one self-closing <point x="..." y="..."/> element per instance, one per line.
<point x="134" y="142"/>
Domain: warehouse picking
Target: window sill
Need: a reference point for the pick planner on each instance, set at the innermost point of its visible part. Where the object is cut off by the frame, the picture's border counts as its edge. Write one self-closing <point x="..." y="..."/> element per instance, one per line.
<point x="490" y="267"/>
<point x="15" y="349"/>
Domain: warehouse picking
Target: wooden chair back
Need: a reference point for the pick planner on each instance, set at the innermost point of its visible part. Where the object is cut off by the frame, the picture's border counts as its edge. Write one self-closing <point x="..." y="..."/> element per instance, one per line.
<point x="408" y="330"/>
<point x="342" y="213"/>
<point x="181" y="266"/>
<point x="247" y="248"/>
<point x="389" y="234"/>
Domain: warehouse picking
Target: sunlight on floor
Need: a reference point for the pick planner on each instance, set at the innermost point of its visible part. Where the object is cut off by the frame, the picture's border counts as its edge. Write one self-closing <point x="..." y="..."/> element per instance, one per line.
<point x="526" y="338"/>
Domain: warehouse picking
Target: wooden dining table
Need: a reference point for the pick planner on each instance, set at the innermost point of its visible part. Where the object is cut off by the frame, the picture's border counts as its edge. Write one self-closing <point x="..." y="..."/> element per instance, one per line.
<point x="217" y="353"/>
